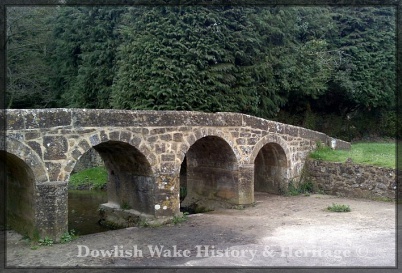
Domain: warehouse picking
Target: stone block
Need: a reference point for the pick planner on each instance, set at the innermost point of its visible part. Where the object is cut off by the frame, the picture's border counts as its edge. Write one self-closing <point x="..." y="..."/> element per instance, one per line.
<point x="103" y="136"/>
<point x="36" y="147"/>
<point x="32" y="135"/>
<point x="292" y="130"/>
<point x="84" y="145"/>
<point x="160" y="148"/>
<point x="115" y="135"/>
<point x="178" y="137"/>
<point x="53" y="170"/>
<point x="94" y="140"/>
<point x="106" y="118"/>
<point x="48" y="118"/>
<point x="76" y="154"/>
<point x="166" y="137"/>
<point x="15" y="120"/>
<point x="55" y="147"/>
<point x="157" y="131"/>
<point x="255" y="123"/>
<point x="125" y="136"/>
<point x="135" y="141"/>
<point x="168" y="157"/>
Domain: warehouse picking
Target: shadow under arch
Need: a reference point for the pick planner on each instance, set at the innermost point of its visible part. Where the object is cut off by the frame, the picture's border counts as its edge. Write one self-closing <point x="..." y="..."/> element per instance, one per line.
<point x="29" y="156"/>
<point x="271" y="165"/>
<point x="211" y="173"/>
<point x="19" y="186"/>
<point x="270" y="169"/>
<point x="130" y="177"/>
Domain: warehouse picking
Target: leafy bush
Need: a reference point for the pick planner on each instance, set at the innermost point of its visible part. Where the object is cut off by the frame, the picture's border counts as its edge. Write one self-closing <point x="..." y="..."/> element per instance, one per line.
<point x="45" y="241"/>
<point x="68" y="237"/>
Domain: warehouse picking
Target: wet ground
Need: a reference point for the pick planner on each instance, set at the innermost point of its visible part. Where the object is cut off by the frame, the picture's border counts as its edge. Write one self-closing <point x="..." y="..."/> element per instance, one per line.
<point x="279" y="231"/>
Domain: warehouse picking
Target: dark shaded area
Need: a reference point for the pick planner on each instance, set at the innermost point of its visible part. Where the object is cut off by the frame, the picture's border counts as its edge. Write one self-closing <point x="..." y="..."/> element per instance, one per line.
<point x="20" y="190"/>
<point x="130" y="183"/>
<point x="83" y="211"/>
<point x="183" y="179"/>
<point x="212" y="170"/>
<point x="270" y="169"/>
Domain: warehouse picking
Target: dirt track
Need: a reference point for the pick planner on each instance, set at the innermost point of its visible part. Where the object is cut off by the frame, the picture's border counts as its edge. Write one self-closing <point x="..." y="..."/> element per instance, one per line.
<point x="278" y="231"/>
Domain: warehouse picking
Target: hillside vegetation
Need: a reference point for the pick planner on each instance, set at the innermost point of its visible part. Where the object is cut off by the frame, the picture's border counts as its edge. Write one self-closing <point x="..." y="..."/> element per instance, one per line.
<point x="330" y="69"/>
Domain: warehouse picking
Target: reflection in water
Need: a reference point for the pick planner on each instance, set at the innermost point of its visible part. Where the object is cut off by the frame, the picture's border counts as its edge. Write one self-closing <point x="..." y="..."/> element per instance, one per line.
<point x="83" y="211"/>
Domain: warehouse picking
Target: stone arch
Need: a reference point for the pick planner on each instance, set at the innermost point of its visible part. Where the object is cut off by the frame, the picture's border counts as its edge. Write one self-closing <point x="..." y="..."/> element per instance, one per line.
<point x="19" y="195"/>
<point x="30" y="157"/>
<point x="123" y="136"/>
<point x="211" y="172"/>
<point x="267" y="139"/>
<point x="131" y="178"/>
<point x="271" y="165"/>
<point x="199" y="133"/>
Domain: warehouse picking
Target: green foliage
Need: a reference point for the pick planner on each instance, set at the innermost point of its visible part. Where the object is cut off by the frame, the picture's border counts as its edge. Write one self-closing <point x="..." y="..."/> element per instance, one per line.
<point x="337" y="62"/>
<point x="179" y="219"/>
<point x="303" y="187"/>
<point x="28" y="69"/>
<point x="339" y="208"/>
<point x="45" y="241"/>
<point x="367" y="35"/>
<point x="68" y="237"/>
<point x="93" y="178"/>
<point x="125" y="205"/>
<point x="377" y="154"/>
<point x="144" y="223"/>
<point x="192" y="58"/>
<point x="84" y="55"/>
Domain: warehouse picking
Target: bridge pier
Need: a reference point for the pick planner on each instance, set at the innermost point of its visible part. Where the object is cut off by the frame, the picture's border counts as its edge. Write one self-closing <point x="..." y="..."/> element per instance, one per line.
<point x="246" y="184"/>
<point x="51" y="210"/>
<point x="165" y="204"/>
<point x="167" y="191"/>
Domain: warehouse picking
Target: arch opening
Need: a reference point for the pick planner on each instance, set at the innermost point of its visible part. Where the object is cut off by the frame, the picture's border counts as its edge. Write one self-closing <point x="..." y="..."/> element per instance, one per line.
<point x="20" y="195"/>
<point x="211" y="173"/>
<point x="130" y="178"/>
<point x="270" y="169"/>
<point x="86" y="192"/>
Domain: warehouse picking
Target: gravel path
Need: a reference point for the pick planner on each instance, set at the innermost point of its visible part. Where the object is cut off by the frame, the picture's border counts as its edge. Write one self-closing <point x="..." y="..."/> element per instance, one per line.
<point x="278" y="231"/>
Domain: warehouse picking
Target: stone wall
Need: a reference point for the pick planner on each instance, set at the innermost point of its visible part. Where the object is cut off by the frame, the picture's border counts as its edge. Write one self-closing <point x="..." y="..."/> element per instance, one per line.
<point x="88" y="160"/>
<point x="352" y="180"/>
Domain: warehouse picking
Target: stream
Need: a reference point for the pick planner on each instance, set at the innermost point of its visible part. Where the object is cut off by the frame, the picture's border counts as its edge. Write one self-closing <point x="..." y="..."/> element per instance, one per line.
<point x="83" y="215"/>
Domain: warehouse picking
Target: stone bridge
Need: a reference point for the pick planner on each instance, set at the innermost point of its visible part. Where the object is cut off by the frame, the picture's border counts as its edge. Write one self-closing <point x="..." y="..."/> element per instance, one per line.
<point x="221" y="158"/>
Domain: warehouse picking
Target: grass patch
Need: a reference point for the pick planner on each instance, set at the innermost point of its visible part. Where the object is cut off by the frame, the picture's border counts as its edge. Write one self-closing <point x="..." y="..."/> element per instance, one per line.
<point x="93" y="178"/>
<point x="338" y="208"/>
<point x="372" y="153"/>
